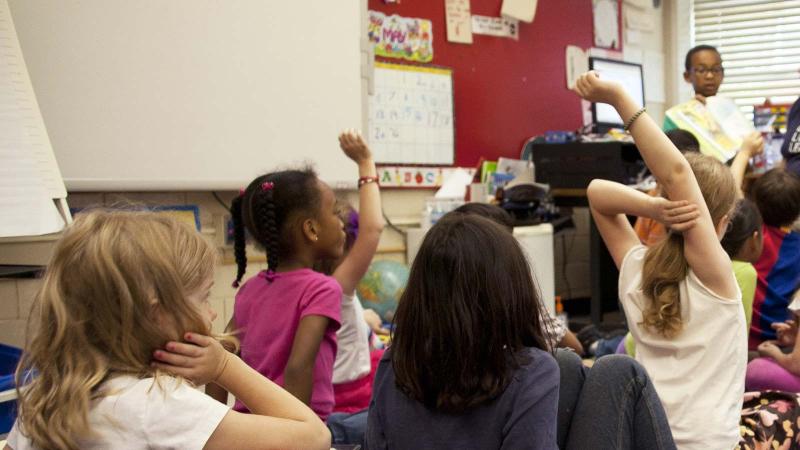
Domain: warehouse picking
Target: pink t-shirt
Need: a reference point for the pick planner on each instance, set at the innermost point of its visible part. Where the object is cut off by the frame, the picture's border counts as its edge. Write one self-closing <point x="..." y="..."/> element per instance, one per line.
<point x="267" y="314"/>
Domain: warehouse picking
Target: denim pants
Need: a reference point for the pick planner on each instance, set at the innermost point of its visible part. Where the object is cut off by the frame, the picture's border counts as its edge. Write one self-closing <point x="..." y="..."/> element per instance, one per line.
<point x="613" y="405"/>
<point x="348" y="428"/>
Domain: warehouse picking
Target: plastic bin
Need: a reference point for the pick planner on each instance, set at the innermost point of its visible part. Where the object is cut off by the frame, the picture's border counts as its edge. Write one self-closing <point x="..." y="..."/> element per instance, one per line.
<point x="9" y="358"/>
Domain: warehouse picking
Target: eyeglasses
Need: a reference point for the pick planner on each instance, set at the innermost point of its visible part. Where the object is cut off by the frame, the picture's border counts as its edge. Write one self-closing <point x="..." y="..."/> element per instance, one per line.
<point x="702" y="71"/>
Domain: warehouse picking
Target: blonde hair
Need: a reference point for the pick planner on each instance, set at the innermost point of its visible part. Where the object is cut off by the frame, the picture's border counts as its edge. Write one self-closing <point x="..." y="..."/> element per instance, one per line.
<point x="93" y="315"/>
<point x="665" y="265"/>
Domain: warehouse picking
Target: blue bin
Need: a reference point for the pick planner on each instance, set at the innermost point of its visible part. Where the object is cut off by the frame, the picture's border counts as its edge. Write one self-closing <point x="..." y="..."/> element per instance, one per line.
<point x="9" y="358"/>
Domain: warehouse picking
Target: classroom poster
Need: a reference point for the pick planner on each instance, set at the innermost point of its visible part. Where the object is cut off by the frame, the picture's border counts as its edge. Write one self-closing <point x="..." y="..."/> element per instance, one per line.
<point x="416" y="177"/>
<point x="401" y="37"/>
<point x="459" y="25"/>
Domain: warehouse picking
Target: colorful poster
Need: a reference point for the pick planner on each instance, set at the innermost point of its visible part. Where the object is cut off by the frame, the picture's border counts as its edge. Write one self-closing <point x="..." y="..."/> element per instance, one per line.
<point x="459" y="24"/>
<point x="401" y="37"/>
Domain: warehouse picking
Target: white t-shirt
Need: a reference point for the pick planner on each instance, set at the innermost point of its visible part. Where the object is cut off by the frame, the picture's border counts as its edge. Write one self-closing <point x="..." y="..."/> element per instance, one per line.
<point x="142" y="414"/>
<point x="352" y="357"/>
<point x="699" y="374"/>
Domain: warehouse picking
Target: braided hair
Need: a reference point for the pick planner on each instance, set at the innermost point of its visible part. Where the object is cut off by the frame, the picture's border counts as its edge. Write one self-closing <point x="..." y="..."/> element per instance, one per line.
<point x="268" y="209"/>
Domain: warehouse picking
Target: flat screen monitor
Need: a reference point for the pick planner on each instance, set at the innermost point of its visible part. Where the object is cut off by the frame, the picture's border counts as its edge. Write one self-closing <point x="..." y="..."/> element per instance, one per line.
<point x="629" y="75"/>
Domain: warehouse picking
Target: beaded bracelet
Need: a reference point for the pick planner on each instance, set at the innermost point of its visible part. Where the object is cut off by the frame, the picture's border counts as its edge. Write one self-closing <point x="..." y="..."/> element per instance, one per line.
<point x="366" y="180"/>
<point x="633" y="119"/>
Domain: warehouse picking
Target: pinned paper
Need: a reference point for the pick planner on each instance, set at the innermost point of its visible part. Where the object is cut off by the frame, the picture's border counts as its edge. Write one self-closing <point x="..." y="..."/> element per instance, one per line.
<point x="415" y="177"/>
<point x="401" y="37"/>
<point x="524" y="10"/>
<point x="496" y="26"/>
<point x="577" y="64"/>
<point x="459" y="24"/>
<point x="606" y="23"/>
<point x="455" y="184"/>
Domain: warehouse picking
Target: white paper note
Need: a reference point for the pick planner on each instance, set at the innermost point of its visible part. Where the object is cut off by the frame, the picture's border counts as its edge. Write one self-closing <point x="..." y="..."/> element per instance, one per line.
<point x="459" y="23"/>
<point x="524" y="10"/>
<point x="496" y="26"/>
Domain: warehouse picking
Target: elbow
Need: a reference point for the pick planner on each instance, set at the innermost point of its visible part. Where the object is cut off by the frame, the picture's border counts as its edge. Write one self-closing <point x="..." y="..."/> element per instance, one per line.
<point x="321" y="437"/>
<point x="593" y="189"/>
<point x="678" y="174"/>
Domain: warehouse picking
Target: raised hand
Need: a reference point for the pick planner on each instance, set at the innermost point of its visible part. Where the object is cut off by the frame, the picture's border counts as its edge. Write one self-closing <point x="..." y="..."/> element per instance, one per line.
<point x="354" y="146"/>
<point x="201" y="359"/>
<point x="591" y="87"/>
<point x="753" y="144"/>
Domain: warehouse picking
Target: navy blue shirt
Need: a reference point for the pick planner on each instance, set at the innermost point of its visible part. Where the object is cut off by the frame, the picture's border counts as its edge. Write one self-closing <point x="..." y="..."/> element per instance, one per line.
<point x="522" y="417"/>
<point x="790" y="150"/>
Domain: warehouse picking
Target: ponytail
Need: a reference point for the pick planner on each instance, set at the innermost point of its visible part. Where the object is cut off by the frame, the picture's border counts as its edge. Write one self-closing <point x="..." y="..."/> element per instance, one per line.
<point x="239" y="250"/>
<point x="664" y="268"/>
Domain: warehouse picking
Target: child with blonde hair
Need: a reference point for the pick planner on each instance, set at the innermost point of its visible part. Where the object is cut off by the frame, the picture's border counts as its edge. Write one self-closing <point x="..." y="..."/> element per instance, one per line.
<point x="122" y="288"/>
<point x="680" y="297"/>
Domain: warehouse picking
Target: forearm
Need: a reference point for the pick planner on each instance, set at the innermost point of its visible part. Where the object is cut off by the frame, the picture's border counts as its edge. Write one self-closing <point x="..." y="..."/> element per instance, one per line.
<point x="260" y="395"/>
<point x="217" y="392"/>
<point x="370" y="219"/>
<point x="610" y="198"/>
<point x="661" y="156"/>
<point x="299" y="382"/>
<point x="738" y="168"/>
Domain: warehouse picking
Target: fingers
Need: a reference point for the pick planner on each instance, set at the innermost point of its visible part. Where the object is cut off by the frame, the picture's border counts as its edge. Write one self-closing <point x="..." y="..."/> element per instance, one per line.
<point x="172" y="359"/>
<point x="199" y="339"/>
<point x="683" y="226"/>
<point x="779" y="326"/>
<point x="184" y="349"/>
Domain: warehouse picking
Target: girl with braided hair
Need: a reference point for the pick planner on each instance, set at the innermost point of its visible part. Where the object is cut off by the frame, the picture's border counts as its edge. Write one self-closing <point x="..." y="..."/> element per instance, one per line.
<point x="287" y="315"/>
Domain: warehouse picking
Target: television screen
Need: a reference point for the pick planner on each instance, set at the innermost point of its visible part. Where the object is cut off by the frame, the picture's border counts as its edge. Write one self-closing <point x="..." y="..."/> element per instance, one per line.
<point x="629" y="75"/>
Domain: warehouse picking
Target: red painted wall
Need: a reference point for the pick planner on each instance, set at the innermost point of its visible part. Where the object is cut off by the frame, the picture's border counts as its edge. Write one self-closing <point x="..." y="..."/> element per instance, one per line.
<point x="506" y="91"/>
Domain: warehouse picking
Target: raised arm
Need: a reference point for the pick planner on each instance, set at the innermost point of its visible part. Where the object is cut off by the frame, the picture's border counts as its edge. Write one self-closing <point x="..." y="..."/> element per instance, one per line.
<point x="370" y="221"/>
<point x="701" y="243"/>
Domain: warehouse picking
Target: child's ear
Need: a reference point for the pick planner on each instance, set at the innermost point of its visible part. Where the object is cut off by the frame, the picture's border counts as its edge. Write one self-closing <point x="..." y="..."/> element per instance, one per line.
<point x="310" y="230"/>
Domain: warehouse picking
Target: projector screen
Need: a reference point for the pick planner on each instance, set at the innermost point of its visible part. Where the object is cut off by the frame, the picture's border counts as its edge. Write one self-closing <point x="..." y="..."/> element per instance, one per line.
<point x="629" y="75"/>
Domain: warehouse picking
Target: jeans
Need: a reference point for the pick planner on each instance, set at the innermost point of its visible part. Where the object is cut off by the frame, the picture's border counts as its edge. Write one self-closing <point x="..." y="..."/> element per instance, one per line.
<point x="613" y="405"/>
<point x="348" y="428"/>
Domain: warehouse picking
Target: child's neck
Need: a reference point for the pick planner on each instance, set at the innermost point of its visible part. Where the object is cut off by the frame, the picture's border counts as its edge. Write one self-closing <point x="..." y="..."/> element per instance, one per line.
<point x="300" y="260"/>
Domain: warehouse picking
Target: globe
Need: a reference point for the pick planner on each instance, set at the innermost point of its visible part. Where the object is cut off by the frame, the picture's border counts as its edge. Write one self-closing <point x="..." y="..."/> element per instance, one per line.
<point x="382" y="286"/>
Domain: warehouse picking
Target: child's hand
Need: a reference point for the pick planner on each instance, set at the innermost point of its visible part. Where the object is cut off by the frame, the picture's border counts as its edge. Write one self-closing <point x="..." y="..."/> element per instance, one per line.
<point x="679" y="216"/>
<point x="590" y="87"/>
<point x="202" y="360"/>
<point x="753" y="144"/>
<point x="354" y="146"/>
<point x="787" y="332"/>
<point x="770" y="349"/>
<point x="374" y="321"/>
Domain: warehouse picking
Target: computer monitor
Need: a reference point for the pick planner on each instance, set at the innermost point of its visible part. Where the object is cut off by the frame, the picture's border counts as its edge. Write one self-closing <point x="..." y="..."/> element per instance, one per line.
<point x="629" y="75"/>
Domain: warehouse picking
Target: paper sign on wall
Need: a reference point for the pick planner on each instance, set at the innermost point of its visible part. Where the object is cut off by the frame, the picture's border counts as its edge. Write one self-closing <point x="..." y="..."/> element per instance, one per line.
<point x="577" y="64"/>
<point x="523" y="10"/>
<point x="496" y="26"/>
<point x="606" y="23"/>
<point x="401" y="37"/>
<point x="459" y="24"/>
<point x="416" y="177"/>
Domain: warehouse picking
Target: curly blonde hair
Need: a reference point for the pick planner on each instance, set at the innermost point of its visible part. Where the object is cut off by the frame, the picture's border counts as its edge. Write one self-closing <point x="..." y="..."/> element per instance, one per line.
<point x="93" y="315"/>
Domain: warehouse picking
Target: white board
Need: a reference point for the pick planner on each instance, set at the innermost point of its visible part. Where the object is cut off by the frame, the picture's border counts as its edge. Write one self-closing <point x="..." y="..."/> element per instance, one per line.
<point x="193" y="94"/>
<point x="411" y="115"/>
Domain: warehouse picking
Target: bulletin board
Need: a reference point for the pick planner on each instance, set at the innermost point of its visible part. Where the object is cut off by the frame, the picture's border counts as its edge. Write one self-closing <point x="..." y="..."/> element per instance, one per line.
<point x="411" y="115"/>
<point x="505" y="91"/>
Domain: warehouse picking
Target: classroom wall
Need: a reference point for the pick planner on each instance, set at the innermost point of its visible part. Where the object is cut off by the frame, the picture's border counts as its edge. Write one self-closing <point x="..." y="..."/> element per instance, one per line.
<point x="498" y="105"/>
<point x="506" y="91"/>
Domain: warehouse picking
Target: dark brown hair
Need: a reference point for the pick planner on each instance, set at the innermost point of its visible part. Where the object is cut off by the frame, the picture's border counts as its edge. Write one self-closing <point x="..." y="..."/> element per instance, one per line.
<point x="777" y="195"/>
<point x="267" y="214"/>
<point x="684" y="140"/>
<point x="470" y="310"/>
<point x="745" y="221"/>
<point x="494" y="213"/>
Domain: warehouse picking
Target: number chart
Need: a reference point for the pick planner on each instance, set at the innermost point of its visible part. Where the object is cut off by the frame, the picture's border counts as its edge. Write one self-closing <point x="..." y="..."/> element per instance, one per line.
<point x="411" y="115"/>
